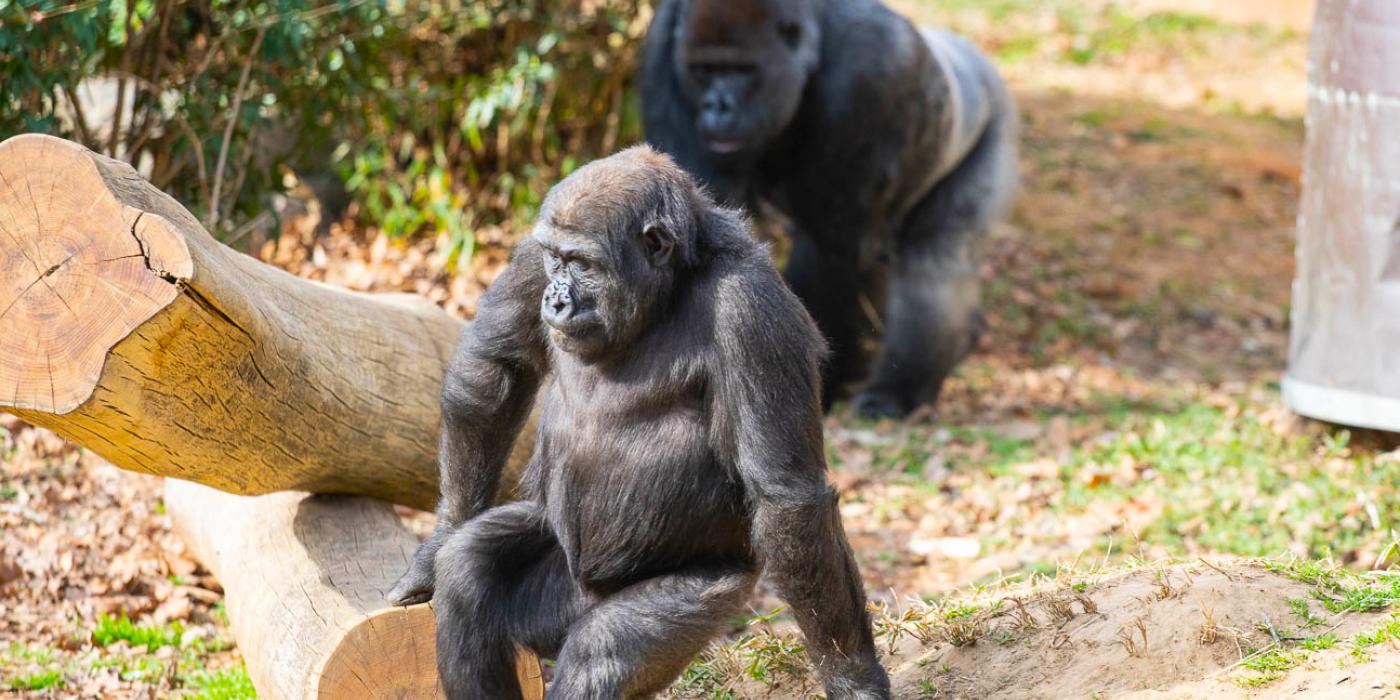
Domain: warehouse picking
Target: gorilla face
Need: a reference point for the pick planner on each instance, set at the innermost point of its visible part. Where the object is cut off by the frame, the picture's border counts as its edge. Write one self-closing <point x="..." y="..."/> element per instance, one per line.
<point x="612" y="236"/>
<point x="743" y="65"/>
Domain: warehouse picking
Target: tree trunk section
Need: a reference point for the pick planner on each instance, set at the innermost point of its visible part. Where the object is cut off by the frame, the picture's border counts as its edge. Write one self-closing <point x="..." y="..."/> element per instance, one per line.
<point x="127" y="329"/>
<point x="304" y="578"/>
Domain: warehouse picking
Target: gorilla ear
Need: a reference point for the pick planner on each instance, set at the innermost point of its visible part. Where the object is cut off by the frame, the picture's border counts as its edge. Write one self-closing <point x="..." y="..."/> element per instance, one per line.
<point x="658" y="242"/>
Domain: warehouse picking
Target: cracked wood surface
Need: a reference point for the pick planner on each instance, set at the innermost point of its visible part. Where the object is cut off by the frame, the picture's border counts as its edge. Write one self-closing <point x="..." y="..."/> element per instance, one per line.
<point x="304" y="578"/>
<point x="126" y="328"/>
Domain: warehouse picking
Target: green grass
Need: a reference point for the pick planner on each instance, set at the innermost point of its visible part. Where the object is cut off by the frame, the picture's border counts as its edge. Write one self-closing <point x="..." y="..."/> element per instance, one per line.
<point x="41" y="668"/>
<point x="50" y="679"/>
<point x="1303" y="612"/>
<point x="1320" y="642"/>
<point x="1225" y="480"/>
<point x="225" y="684"/>
<point x="1269" y="666"/>
<point x="1089" y="35"/>
<point x="111" y="629"/>
<point x="1388" y="632"/>
<point x="1362" y="597"/>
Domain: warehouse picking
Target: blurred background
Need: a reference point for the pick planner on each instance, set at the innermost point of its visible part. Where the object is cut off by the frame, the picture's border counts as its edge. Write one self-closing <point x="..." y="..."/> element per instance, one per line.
<point x="1124" y="404"/>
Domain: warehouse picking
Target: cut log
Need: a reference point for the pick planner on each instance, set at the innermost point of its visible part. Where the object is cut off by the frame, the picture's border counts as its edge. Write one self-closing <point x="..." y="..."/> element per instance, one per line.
<point x="127" y="329"/>
<point x="304" y="579"/>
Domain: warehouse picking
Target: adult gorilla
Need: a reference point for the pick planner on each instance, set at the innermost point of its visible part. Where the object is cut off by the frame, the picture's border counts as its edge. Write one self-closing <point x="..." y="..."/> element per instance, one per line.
<point x="888" y="150"/>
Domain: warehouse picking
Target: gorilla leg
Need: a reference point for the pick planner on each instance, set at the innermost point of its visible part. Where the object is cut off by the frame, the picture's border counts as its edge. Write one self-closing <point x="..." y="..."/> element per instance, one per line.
<point x="830" y="286"/>
<point x="502" y="580"/>
<point x="932" y="322"/>
<point x="636" y="642"/>
<point x="932" y="319"/>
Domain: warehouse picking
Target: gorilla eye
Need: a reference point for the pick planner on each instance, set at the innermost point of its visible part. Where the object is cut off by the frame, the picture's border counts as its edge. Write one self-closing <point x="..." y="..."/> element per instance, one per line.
<point x="790" y="33"/>
<point x="579" y="265"/>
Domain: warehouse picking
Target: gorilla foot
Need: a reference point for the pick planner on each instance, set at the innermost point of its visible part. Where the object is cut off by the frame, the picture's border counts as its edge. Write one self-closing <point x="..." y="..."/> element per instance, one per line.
<point x="410" y="590"/>
<point x="416" y="584"/>
<point x="875" y="404"/>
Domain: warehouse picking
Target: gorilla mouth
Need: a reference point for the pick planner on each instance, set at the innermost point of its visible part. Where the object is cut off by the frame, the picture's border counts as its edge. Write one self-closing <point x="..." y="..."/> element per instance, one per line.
<point x="725" y="146"/>
<point x="577" y="333"/>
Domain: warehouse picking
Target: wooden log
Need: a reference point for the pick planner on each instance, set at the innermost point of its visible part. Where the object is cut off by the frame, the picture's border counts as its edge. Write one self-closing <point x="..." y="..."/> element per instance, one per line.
<point x="127" y="329"/>
<point x="304" y="579"/>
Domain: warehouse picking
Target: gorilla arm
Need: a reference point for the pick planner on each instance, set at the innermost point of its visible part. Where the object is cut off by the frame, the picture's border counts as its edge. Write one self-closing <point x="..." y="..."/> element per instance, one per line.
<point x="770" y="400"/>
<point x="486" y="397"/>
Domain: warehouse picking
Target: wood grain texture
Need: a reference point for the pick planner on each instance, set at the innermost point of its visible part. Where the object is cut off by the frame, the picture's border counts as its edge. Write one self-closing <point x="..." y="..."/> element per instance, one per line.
<point x="304" y="578"/>
<point x="128" y="329"/>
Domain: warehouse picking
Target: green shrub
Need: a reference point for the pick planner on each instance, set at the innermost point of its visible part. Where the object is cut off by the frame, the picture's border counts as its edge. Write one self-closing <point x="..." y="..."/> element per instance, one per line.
<point x="420" y="109"/>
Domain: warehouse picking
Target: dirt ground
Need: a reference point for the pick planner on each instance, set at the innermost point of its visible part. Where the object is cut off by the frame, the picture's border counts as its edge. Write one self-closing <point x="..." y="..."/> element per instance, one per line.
<point x="1122" y="409"/>
<point x="1230" y="629"/>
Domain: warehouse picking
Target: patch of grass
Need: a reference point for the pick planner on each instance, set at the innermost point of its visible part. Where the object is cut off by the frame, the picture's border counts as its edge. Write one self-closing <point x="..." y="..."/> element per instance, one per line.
<point x="50" y="679"/>
<point x="768" y="657"/>
<point x="41" y="668"/>
<point x="1388" y="632"/>
<point x="1312" y="573"/>
<point x="1232" y="484"/>
<point x="1018" y="48"/>
<point x="1360" y="597"/>
<point x="1320" y="642"/>
<point x="960" y="612"/>
<point x="8" y="492"/>
<point x="233" y="684"/>
<point x="143" y="669"/>
<point x="1099" y="116"/>
<point x="1270" y="666"/>
<point x="220" y="612"/>
<point x="114" y="629"/>
<point x="1303" y="612"/>
<point x="997" y="10"/>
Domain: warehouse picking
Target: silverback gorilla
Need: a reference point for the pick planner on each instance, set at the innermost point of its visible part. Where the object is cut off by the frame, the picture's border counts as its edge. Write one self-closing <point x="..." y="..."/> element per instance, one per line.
<point x="887" y="150"/>
<point x="679" y="450"/>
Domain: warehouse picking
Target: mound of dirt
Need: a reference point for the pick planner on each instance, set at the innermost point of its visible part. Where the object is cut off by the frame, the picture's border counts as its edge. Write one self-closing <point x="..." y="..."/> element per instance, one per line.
<point x="1177" y="631"/>
<point x="1201" y="630"/>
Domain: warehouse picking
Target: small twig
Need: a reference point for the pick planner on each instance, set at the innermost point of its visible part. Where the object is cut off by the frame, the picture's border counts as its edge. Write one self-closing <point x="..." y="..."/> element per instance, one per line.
<point x="551" y="89"/>
<point x="114" y="137"/>
<point x="197" y="147"/>
<point x="215" y="193"/>
<point x="75" y="7"/>
<point x="1269" y="627"/>
<point x="1219" y="570"/>
<point x="79" y="116"/>
<point x="263" y="217"/>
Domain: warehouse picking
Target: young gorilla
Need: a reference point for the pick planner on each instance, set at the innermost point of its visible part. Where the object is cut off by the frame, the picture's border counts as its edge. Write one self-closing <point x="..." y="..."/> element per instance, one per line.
<point x="679" y="450"/>
<point x="888" y="150"/>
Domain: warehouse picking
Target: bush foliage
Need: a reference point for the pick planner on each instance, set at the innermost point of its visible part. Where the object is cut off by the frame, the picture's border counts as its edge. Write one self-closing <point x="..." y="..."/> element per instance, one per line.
<point x="446" y="115"/>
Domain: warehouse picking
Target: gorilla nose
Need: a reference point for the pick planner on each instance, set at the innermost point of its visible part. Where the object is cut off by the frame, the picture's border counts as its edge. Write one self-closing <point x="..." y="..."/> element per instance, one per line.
<point x="717" y="104"/>
<point x="558" y="303"/>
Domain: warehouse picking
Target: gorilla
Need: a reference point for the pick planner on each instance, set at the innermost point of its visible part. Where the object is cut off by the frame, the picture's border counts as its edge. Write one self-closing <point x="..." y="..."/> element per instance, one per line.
<point x="887" y="150"/>
<point x="679" y="452"/>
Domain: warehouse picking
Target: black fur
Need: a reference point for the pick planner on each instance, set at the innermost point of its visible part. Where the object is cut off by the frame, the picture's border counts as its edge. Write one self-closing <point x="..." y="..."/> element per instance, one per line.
<point x="679" y="451"/>
<point x="888" y="150"/>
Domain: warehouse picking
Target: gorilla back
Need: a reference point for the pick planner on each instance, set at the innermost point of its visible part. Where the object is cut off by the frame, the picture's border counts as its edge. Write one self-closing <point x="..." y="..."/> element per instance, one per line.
<point x="889" y="151"/>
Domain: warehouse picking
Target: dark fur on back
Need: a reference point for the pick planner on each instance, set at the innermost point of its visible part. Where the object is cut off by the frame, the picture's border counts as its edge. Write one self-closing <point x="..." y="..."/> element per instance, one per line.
<point x="677" y="456"/>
